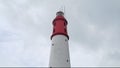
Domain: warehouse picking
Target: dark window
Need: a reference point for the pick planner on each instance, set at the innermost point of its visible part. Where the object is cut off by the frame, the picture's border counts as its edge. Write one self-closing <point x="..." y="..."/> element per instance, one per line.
<point x="54" y="23"/>
<point x="53" y="30"/>
<point x="64" y="24"/>
<point x="52" y="44"/>
<point x="65" y="30"/>
<point x="67" y="60"/>
<point x="65" y="39"/>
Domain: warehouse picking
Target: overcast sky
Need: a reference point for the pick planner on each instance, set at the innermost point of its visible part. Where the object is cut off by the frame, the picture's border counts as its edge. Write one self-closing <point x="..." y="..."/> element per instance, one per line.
<point x="26" y="27"/>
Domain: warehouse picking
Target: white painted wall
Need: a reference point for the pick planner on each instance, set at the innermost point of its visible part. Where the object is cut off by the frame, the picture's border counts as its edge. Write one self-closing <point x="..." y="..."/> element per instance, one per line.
<point x="59" y="56"/>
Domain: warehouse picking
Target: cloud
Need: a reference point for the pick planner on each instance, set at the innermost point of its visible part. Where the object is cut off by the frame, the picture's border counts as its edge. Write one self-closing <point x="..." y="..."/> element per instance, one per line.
<point x="26" y="26"/>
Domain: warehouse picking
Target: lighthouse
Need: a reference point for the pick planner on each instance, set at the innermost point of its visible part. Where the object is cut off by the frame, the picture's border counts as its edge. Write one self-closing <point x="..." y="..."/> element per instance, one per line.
<point x="59" y="55"/>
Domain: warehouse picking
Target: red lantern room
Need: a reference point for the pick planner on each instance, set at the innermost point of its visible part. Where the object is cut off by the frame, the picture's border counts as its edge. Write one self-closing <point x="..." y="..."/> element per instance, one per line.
<point x="60" y="25"/>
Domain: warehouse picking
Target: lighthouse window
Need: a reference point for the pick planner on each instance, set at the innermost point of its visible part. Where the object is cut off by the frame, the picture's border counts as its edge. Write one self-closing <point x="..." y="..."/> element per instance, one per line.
<point x="67" y="60"/>
<point x="64" y="23"/>
<point x="54" y="23"/>
<point x="52" y="44"/>
<point x="65" y="30"/>
<point x="65" y="39"/>
<point x="54" y="30"/>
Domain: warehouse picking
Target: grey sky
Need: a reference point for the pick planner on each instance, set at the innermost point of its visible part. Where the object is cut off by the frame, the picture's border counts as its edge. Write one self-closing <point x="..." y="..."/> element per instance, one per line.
<point x="26" y="26"/>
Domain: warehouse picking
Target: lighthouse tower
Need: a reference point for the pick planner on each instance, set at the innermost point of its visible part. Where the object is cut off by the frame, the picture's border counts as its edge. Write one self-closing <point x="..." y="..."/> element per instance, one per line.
<point x="59" y="56"/>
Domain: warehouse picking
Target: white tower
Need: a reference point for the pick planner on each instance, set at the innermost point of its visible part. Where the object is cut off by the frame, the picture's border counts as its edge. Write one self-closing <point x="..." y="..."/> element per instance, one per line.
<point x="59" y="56"/>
